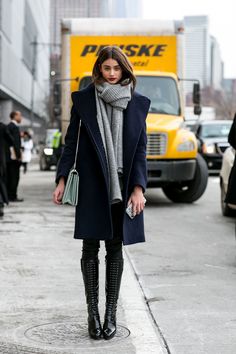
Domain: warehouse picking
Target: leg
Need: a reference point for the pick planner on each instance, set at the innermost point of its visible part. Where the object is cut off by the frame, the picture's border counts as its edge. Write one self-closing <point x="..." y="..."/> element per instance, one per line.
<point x="114" y="269"/>
<point x="13" y="175"/>
<point x="24" y="167"/>
<point x="89" y="267"/>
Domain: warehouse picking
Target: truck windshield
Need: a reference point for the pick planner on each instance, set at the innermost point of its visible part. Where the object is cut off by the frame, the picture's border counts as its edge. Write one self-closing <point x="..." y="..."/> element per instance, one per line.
<point x="163" y="93"/>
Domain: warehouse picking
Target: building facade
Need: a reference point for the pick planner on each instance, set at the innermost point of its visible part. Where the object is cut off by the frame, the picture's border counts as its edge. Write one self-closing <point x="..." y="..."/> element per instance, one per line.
<point x="216" y="65"/>
<point x="24" y="60"/>
<point x="197" y="50"/>
<point x="202" y="54"/>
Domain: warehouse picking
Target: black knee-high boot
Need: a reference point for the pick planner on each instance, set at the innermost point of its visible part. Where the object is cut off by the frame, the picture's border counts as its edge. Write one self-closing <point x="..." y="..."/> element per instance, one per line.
<point x="114" y="269"/>
<point x="89" y="269"/>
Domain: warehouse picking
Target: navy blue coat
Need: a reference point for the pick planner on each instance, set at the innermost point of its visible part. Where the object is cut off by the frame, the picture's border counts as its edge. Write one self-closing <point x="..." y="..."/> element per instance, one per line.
<point x="93" y="212"/>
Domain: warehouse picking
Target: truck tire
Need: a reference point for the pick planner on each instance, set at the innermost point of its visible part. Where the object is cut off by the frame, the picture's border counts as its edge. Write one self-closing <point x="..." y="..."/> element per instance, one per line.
<point x="193" y="190"/>
<point x="225" y="209"/>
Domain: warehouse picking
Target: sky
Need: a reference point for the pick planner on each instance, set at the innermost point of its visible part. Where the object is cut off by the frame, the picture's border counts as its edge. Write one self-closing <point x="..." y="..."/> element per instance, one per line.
<point x="221" y="22"/>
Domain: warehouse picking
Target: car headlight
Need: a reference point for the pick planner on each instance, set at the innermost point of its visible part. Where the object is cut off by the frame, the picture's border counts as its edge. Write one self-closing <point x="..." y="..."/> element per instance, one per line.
<point x="48" y="151"/>
<point x="186" y="146"/>
<point x="208" y="148"/>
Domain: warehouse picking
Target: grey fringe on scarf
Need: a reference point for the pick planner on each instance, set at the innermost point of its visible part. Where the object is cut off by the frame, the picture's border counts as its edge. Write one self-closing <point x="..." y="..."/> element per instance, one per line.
<point x="111" y="100"/>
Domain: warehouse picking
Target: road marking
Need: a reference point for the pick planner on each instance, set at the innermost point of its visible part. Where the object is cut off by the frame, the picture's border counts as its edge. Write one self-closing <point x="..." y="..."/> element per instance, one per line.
<point x="215" y="266"/>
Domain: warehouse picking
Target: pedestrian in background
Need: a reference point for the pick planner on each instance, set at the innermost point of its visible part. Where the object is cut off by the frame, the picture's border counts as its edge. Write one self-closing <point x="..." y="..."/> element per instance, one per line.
<point x="112" y="169"/>
<point x="57" y="144"/>
<point x="5" y="140"/>
<point x="27" y="146"/>
<point x="231" y="190"/>
<point x="14" y="157"/>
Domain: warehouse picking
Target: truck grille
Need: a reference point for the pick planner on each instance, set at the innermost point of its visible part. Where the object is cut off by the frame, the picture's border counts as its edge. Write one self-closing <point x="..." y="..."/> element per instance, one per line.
<point x="156" y="144"/>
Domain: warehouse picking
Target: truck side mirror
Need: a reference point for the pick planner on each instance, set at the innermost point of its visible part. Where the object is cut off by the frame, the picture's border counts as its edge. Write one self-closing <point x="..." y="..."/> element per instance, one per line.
<point x="196" y="94"/>
<point x="197" y="110"/>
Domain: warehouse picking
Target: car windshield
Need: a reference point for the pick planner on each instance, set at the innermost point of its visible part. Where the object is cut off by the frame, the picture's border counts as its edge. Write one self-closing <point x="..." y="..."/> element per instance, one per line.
<point x="163" y="93"/>
<point x="215" y="130"/>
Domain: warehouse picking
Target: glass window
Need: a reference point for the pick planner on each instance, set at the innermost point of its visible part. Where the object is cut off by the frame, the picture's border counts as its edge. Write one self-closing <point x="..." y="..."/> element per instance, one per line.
<point x="215" y="130"/>
<point x="163" y="93"/>
<point x="30" y="36"/>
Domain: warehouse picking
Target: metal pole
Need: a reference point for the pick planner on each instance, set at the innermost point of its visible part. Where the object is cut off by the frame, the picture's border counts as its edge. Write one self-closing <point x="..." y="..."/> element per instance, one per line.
<point x="34" y="43"/>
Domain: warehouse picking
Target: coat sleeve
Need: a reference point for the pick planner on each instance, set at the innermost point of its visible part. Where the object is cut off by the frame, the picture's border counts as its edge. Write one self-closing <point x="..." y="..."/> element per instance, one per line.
<point x="15" y="136"/>
<point x="139" y="168"/>
<point x="68" y="156"/>
<point x="232" y="134"/>
<point x="138" y="174"/>
<point x="8" y="137"/>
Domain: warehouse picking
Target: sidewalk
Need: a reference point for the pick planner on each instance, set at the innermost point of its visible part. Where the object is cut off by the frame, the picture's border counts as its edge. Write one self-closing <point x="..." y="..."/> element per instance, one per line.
<point x="42" y="301"/>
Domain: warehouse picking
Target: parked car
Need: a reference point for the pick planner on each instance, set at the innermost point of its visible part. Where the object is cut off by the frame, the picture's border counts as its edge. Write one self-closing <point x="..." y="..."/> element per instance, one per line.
<point x="48" y="155"/>
<point x="227" y="164"/>
<point x="213" y="141"/>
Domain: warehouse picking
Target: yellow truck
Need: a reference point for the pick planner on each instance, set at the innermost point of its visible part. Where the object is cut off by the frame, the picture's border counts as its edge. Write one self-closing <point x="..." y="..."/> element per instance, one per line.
<point x="155" y="49"/>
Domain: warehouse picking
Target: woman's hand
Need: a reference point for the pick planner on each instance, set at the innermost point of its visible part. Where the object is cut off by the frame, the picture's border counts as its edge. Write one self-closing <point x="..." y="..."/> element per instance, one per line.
<point x="59" y="191"/>
<point x="137" y="199"/>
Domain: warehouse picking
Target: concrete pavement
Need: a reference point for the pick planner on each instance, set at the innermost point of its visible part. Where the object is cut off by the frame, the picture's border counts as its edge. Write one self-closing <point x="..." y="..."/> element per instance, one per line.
<point x="42" y="301"/>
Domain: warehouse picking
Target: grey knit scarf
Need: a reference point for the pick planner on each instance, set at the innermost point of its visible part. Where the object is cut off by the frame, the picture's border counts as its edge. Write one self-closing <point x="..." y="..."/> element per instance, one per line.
<point x="111" y="100"/>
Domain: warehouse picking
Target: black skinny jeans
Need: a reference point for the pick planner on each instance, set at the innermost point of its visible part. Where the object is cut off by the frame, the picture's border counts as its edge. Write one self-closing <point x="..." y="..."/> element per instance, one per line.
<point x="114" y="246"/>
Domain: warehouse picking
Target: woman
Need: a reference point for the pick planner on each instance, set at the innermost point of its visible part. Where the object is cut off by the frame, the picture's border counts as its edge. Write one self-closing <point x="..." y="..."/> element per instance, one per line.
<point x="112" y="169"/>
<point x="27" y="146"/>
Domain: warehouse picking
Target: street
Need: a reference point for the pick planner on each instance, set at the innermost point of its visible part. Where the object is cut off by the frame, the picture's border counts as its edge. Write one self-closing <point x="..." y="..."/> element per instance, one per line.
<point x="185" y="272"/>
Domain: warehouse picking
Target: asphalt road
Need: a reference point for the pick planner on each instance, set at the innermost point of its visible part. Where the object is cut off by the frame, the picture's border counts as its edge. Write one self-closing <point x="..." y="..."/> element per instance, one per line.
<point x="187" y="270"/>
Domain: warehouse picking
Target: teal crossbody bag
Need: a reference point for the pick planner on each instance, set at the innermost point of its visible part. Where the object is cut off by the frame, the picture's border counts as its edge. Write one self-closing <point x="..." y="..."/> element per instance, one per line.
<point x="71" y="191"/>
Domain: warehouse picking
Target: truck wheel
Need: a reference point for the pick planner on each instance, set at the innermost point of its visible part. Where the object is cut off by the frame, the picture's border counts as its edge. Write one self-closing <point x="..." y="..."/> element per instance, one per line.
<point x="226" y="210"/>
<point x="193" y="190"/>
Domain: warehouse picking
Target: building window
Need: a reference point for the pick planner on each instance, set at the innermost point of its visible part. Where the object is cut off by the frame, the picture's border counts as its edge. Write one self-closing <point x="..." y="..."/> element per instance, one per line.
<point x="29" y="37"/>
<point x="6" y="17"/>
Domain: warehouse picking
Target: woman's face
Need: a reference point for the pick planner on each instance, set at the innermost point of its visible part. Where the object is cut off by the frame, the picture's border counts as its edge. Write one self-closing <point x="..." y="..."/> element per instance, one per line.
<point x="111" y="71"/>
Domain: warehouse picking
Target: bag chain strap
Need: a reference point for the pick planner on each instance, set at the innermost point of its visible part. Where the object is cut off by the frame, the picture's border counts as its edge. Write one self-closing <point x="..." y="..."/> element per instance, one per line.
<point x="77" y="146"/>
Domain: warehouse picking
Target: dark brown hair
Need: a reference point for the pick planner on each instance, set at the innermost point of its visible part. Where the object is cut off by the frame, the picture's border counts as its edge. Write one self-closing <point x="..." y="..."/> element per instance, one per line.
<point x="114" y="52"/>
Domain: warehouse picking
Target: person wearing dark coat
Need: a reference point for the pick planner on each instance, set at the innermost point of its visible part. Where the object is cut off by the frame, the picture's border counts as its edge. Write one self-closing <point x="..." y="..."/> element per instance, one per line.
<point x="231" y="190"/>
<point x="14" y="157"/>
<point x="112" y="174"/>
<point x="5" y="140"/>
